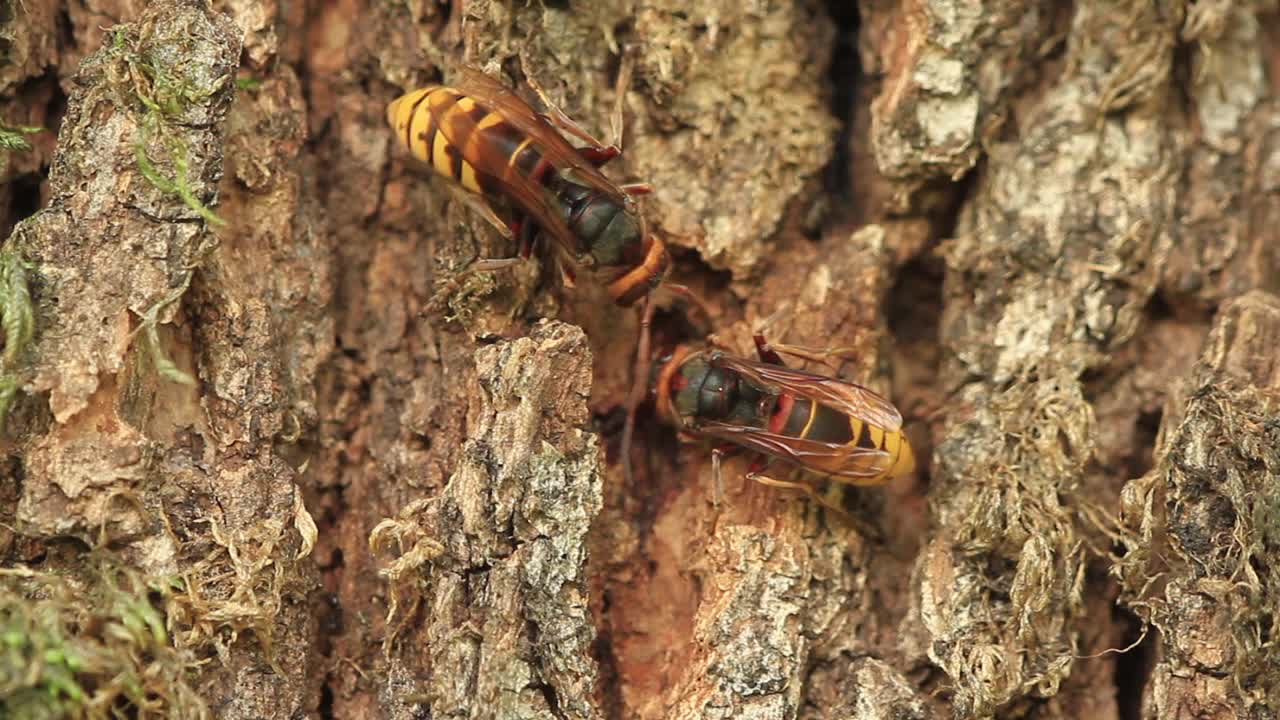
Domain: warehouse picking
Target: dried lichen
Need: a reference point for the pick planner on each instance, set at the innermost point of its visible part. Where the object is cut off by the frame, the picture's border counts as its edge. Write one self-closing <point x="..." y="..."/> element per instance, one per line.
<point x="1002" y="629"/>
<point x="1040" y="290"/>
<point x="240" y="581"/>
<point x="414" y="547"/>
<point x="1202" y="526"/>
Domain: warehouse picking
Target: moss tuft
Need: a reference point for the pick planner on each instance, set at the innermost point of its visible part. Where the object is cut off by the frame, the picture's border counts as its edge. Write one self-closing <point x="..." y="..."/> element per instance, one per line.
<point x="179" y="185"/>
<point x="240" y="584"/>
<point x="150" y="331"/>
<point x="16" y="315"/>
<point x="165" y="94"/>
<point x="17" y="318"/>
<point x="92" y="646"/>
<point x="14" y="138"/>
<point x="415" y="548"/>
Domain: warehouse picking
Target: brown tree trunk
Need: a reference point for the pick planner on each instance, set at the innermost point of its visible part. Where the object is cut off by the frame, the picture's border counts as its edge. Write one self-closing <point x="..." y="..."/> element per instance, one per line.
<point x="266" y="455"/>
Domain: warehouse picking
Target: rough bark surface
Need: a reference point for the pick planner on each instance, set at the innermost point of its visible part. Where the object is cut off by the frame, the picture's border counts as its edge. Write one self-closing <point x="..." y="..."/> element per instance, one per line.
<point x="266" y="455"/>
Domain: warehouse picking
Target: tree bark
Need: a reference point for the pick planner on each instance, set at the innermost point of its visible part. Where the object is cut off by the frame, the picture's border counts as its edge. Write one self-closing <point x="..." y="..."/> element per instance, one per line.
<point x="268" y="455"/>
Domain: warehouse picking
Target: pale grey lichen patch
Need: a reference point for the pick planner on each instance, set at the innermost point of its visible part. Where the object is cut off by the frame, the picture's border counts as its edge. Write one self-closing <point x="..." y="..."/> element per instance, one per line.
<point x="948" y="122"/>
<point x="1229" y="79"/>
<point x="748" y="629"/>
<point x="946" y="66"/>
<point x="563" y="496"/>
<point x="865" y="688"/>
<point x="885" y="694"/>
<point x="952" y="23"/>
<point x="1023" y="336"/>
<point x="938" y="73"/>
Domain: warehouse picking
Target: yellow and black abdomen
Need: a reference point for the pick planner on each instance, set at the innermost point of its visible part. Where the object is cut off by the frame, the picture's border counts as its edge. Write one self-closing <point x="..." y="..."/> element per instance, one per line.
<point x="539" y="176"/>
<point x="456" y="135"/>
<point x="820" y="423"/>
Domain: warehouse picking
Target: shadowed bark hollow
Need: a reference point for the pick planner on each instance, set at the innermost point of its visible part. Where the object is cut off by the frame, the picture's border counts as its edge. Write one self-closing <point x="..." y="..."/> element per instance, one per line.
<point x="267" y="454"/>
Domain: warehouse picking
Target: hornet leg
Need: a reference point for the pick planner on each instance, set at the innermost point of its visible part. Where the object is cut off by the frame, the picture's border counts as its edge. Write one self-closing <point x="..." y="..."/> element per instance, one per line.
<point x="554" y="115"/>
<point x="636" y="188"/>
<point x="766" y="352"/>
<point x="719" y="454"/>
<point x="638" y="386"/>
<point x="803" y="487"/>
<point x="478" y="205"/>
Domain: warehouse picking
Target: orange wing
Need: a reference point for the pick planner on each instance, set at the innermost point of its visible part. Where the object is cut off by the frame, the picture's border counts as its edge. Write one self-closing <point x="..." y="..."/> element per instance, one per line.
<point x="847" y="462"/>
<point x="851" y="399"/>
<point x="555" y="148"/>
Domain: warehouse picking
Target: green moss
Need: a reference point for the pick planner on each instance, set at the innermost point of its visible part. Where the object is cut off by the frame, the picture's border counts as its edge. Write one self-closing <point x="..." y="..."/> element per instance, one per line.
<point x="9" y="387"/>
<point x="164" y="95"/>
<point x="17" y="319"/>
<point x="16" y="315"/>
<point x="91" y="646"/>
<point x="162" y="84"/>
<point x="178" y="156"/>
<point x="150" y="331"/>
<point x="14" y="138"/>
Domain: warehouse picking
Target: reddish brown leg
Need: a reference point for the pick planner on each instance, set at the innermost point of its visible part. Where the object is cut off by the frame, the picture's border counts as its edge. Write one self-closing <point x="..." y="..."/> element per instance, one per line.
<point x="822" y="357"/>
<point x="525" y="231"/>
<point x="636" y="188"/>
<point x="567" y="277"/>
<point x="638" y="387"/>
<point x="620" y="95"/>
<point x="692" y="298"/>
<point x="719" y="454"/>
<point x="598" y="156"/>
<point x="766" y="351"/>
<point x="481" y="207"/>
<point x="554" y="115"/>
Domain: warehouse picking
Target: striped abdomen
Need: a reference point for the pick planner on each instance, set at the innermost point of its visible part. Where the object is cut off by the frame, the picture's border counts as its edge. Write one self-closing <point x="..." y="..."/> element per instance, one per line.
<point x="803" y="418"/>
<point x="487" y="154"/>
<point x="449" y="130"/>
